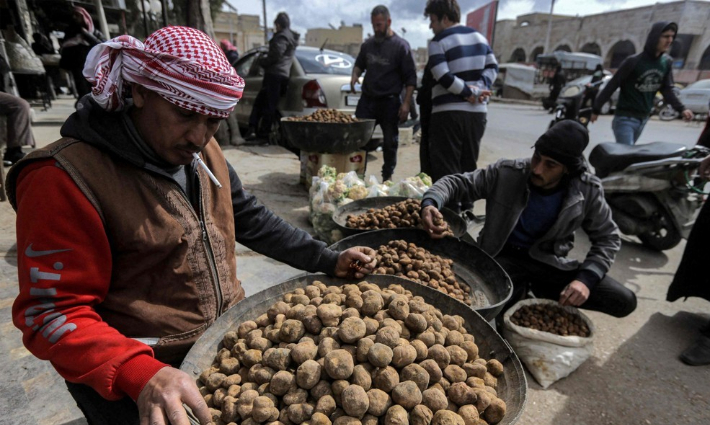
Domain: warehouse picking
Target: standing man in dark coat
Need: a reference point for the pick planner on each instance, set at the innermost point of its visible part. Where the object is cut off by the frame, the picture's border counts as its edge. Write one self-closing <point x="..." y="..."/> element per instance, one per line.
<point x="388" y="61"/>
<point x="692" y="278"/>
<point x="277" y="69"/>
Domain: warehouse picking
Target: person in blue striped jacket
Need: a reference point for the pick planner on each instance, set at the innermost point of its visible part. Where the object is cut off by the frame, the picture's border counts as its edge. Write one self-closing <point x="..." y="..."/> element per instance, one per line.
<point x="464" y="68"/>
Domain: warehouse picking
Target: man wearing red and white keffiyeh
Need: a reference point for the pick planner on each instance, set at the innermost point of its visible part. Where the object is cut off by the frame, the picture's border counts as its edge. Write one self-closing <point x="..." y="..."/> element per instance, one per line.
<point x="126" y="229"/>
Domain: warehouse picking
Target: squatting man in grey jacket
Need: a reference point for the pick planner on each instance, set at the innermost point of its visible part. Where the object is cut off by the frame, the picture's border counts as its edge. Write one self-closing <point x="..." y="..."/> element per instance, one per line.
<point x="533" y="208"/>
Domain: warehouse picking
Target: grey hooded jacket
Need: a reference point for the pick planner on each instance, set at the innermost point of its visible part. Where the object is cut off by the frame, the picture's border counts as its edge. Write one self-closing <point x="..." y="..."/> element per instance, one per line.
<point x="504" y="186"/>
<point x="282" y="48"/>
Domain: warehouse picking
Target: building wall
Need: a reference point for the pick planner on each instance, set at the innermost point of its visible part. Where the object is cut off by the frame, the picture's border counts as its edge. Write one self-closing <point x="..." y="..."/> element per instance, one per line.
<point x="345" y="39"/>
<point x="244" y="31"/>
<point x="528" y="32"/>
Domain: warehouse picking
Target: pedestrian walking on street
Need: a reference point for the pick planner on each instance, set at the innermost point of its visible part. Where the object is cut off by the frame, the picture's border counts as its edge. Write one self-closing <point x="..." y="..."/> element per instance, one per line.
<point x="593" y="87"/>
<point x="640" y="76"/>
<point x="277" y="70"/>
<point x="389" y="63"/>
<point x="558" y="81"/>
<point x="464" y="68"/>
<point x="137" y="258"/>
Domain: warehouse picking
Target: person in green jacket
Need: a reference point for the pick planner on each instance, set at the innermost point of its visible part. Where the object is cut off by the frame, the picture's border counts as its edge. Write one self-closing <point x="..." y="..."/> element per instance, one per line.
<point x="640" y="76"/>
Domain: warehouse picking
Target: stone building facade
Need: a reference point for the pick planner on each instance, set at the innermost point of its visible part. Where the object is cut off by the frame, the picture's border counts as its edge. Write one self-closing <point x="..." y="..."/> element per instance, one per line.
<point x="244" y="31"/>
<point x="612" y="35"/>
<point x="346" y="39"/>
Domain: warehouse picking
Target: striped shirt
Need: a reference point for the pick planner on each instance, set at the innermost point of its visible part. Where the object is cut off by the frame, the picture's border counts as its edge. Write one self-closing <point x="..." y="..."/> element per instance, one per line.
<point x="460" y="57"/>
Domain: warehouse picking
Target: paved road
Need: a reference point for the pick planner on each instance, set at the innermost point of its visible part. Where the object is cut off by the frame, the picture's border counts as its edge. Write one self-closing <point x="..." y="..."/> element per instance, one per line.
<point x="633" y="376"/>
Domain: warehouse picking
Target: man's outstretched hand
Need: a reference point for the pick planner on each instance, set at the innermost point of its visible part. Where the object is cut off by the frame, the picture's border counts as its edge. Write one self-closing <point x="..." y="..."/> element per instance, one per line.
<point x="433" y="222"/>
<point x="367" y="262"/>
<point x="161" y="400"/>
<point x="574" y="294"/>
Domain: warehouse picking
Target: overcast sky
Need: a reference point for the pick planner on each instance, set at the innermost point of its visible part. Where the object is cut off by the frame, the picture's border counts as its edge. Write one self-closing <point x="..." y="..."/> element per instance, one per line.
<point x="409" y="14"/>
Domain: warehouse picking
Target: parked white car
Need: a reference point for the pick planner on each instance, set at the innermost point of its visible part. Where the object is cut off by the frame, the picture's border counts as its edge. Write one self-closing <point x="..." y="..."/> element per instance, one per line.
<point x="696" y="97"/>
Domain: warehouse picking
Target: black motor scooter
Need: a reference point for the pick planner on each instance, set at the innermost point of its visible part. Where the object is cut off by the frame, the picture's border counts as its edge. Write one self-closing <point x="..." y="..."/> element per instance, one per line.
<point x="569" y="105"/>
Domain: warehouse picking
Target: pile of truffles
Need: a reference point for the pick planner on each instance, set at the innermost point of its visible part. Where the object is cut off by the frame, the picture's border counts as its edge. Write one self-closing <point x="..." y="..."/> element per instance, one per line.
<point x="402" y="214"/>
<point x="326" y="115"/>
<point x="409" y="261"/>
<point x="550" y="318"/>
<point x="355" y="354"/>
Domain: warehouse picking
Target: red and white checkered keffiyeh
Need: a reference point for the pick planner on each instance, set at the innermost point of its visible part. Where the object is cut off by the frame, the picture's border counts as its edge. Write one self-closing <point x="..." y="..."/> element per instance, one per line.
<point x="183" y="65"/>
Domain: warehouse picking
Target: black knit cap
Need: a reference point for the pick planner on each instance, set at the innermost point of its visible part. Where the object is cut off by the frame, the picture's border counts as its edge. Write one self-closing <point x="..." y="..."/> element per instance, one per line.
<point x="565" y="142"/>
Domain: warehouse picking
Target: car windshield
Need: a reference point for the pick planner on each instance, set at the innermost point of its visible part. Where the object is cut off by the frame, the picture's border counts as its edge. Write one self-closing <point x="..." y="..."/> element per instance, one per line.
<point x="702" y="84"/>
<point x="325" y="62"/>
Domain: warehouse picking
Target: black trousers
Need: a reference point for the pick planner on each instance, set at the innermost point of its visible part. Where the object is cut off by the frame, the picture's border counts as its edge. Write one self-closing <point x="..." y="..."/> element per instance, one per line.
<point x="386" y="113"/>
<point x="608" y="296"/>
<point x="454" y="144"/>
<point x="425" y="122"/>
<point x="99" y="411"/>
<point x="264" y="110"/>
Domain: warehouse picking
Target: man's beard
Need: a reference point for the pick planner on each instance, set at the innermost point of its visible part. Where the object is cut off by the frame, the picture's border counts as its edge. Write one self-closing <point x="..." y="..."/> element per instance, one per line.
<point x="383" y="34"/>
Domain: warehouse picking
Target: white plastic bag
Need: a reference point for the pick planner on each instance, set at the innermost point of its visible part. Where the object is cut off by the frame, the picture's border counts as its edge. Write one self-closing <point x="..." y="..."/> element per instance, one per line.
<point x="548" y="357"/>
<point x="375" y="189"/>
<point x="322" y="207"/>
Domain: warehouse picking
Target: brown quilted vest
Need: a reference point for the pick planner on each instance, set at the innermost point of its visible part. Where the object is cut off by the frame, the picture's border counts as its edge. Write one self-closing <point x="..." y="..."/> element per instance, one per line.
<point x="165" y="262"/>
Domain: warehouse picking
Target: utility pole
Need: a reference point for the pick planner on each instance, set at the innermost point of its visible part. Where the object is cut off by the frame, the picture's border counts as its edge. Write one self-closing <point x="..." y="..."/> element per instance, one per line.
<point x="165" y="12"/>
<point x="549" y="27"/>
<point x="266" y="25"/>
<point x="102" y="18"/>
<point x="145" y="19"/>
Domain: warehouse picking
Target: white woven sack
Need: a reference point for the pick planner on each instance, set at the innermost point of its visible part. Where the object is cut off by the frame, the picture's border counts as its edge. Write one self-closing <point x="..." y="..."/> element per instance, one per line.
<point x="548" y="357"/>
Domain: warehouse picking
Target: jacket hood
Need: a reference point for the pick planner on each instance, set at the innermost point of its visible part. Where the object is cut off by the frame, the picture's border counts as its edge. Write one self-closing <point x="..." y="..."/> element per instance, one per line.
<point x="655" y="34"/>
<point x="105" y="130"/>
<point x="291" y="36"/>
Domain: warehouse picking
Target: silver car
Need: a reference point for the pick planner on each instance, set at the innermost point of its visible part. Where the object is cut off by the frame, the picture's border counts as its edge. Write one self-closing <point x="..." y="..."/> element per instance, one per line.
<point x="696" y="97"/>
<point x="319" y="79"/>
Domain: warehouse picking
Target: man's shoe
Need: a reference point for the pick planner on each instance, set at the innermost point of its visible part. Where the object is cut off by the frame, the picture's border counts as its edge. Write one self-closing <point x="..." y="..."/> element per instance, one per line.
<point x="697" y="354"/>
<point x="256" y="141"/>
<point x="251" y="135"/>
<point x="386" y="177"/>
<point x="12" y="155"/>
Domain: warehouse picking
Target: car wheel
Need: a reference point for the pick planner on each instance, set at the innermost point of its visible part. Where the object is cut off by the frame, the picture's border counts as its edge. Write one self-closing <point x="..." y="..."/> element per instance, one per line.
<point x="606" y="108"/>
<point x="668" y="113"/>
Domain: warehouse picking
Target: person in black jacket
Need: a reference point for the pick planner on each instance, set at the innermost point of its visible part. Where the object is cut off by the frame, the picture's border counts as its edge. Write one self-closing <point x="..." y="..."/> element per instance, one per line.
<point x="277" y="69"/>
<point x="79" y="38"/>
<point x="692" y="279"/>
<point x="558" y="81"/>
<point x="640" y="76"/>
<point x="592" y="88"/>
<point x="425" y="105"/>
<point x="230" y="51"/>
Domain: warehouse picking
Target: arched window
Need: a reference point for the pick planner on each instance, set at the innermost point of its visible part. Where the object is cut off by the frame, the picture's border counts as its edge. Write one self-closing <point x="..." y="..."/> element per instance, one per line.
<point x="592" y="48"/>
<point x="620" y="51"/>
<point x="535" y="53"/>
<point x="518" y="55"/>
<point x="562" y="48"/>
<point x="705" y="60"/>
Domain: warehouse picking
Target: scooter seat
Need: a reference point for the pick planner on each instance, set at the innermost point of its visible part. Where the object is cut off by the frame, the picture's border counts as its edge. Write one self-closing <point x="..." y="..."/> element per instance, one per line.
<point x="610" y="157"/>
